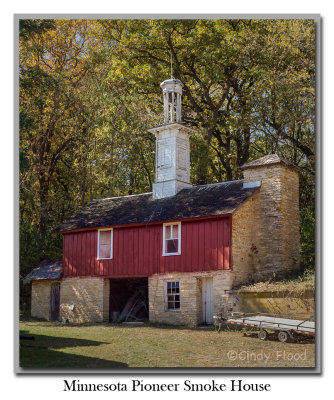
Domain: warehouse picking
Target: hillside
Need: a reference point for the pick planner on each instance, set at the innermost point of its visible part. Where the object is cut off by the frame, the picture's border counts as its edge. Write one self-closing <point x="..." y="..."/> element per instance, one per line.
<point x="297" y="284"/>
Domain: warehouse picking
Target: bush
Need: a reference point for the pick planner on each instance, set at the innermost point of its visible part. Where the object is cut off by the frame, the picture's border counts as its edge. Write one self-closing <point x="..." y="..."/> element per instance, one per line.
<point x="307" y="238"/>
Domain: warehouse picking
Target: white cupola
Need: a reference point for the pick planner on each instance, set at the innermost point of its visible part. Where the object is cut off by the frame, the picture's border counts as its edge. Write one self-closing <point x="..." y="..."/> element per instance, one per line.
<point x="172" y="94"/>
<point x="172" y="155"/>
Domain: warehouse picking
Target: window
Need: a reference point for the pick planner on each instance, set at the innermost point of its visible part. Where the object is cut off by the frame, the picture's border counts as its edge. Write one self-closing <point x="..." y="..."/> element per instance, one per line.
<point x="104" y="244"/>
<point x="171" y="239"/>
<point x="172" y="296"/>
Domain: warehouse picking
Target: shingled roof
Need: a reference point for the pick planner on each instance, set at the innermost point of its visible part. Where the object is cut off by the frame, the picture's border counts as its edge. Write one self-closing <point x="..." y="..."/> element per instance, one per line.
<point x="46" y="270"/>
<point x="267" y="160"/>
<point x="199" y="201"/>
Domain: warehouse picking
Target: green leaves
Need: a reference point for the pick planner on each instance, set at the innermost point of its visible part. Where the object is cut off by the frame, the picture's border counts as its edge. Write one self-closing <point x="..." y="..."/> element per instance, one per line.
<point x="307" y="253"/>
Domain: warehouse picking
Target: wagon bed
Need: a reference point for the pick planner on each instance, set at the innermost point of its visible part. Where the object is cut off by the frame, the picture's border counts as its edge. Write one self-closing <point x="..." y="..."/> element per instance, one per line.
<point x="285" y="325"/>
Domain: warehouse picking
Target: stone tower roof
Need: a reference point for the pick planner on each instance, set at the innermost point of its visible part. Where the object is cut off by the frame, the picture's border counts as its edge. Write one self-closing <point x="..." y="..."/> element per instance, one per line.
<point x="270" y="159"/>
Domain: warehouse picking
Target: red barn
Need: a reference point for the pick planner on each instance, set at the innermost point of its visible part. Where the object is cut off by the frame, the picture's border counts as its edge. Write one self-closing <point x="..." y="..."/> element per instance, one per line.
<point x="174" y="254"/>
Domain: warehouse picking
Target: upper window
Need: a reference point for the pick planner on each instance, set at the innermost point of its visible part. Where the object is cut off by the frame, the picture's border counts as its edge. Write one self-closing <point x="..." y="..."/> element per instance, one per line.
<point x="104" y="244"/>
<point x="171" y="239"/>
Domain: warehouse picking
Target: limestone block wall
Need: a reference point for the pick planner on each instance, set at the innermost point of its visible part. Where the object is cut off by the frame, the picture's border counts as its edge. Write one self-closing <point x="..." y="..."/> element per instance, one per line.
<point x="190" y="295"/>
<point x="290" y="215"/>
<point x="276" y="219"/>
<point x="245" y="242"/>
<point x="41" y="299"/>
<point x="88" y="295"/>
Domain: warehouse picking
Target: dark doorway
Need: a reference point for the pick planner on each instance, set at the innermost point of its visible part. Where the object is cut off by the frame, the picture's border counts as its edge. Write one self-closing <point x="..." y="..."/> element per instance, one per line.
<point x="55" y="301"/>
<point x="128" y="300"/>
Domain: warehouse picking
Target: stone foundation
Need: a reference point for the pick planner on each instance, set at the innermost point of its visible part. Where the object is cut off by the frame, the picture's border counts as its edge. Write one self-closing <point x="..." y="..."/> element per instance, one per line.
<point x="41" y="298"/>
<point x="89" y="298"/>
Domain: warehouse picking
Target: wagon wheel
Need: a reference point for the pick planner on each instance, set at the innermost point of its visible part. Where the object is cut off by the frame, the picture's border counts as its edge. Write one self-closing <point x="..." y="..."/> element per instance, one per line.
<point x="283" y="336"/>
<point x="263" y="334"/>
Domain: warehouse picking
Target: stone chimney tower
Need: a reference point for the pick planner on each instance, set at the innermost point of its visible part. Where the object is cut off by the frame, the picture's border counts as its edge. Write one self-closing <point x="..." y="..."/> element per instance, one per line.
<point x="172" y="154"/>
<point x="276" y="219"/>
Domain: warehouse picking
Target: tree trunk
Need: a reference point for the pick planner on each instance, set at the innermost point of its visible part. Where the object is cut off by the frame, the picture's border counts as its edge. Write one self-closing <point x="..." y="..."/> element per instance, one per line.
<point x="44" y="212"/>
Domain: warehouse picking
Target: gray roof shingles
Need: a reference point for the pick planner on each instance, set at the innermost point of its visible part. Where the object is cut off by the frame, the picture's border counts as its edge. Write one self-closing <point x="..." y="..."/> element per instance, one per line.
<point x="46" y="270"/>
<point x="193" y="202"/>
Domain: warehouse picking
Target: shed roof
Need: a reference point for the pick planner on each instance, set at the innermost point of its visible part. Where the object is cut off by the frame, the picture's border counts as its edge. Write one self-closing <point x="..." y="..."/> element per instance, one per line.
<point x="193" y="202"/>
<point x="46" y="270"/>
<point x="267" y="160"/>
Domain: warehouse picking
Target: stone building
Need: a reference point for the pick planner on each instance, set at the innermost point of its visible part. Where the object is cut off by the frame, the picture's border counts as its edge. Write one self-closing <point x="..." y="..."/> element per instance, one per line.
<point x="180" y="248"/>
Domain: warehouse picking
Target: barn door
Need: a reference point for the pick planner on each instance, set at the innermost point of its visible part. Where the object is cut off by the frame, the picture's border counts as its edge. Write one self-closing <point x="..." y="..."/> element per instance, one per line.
<point x="55" y="301"/>
<point x="207" y="300"/>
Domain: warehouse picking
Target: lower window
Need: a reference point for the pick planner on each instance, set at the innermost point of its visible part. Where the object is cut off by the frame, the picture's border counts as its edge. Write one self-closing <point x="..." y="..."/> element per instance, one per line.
<point x="172" y="300"/>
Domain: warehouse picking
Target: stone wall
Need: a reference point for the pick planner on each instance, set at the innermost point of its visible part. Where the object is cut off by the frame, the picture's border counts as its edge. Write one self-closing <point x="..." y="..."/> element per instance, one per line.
<point x="190" y="294"/>
<point x="282" y="302"/>
<point x="291" y="225"/>
<point x="245" y="242"/>
<point x="275" y="222"/>
<point x="88" y="295"/>
<point x="41" y="299"/>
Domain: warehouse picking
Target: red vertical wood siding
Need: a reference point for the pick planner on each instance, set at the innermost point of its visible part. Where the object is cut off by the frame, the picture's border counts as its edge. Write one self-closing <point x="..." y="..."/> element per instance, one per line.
<point x="137" y="251"/>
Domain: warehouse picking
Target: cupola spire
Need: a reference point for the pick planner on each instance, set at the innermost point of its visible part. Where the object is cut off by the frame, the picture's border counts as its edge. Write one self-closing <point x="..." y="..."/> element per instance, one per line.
<point x="172" y="94"/>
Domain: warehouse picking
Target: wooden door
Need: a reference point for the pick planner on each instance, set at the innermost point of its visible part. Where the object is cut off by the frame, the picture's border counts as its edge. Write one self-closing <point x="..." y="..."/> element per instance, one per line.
<point x="55" y="302"/>
<point x="207" y="300"/>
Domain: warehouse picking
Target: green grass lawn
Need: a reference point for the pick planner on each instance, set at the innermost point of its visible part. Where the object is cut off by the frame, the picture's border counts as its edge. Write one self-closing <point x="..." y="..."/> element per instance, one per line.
<point x="58" y="345"/>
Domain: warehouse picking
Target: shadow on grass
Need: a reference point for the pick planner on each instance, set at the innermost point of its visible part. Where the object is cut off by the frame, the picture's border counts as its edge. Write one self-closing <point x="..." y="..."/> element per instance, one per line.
<point x="54" y="342"/>
<point x="43" y="352"/>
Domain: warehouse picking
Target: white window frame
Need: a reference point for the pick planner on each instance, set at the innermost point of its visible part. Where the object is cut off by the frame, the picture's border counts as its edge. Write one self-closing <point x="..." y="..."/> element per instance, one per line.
<point x="166" y="296"/>
<point x="111" y="243"/>
<point x="164" y="241"/>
